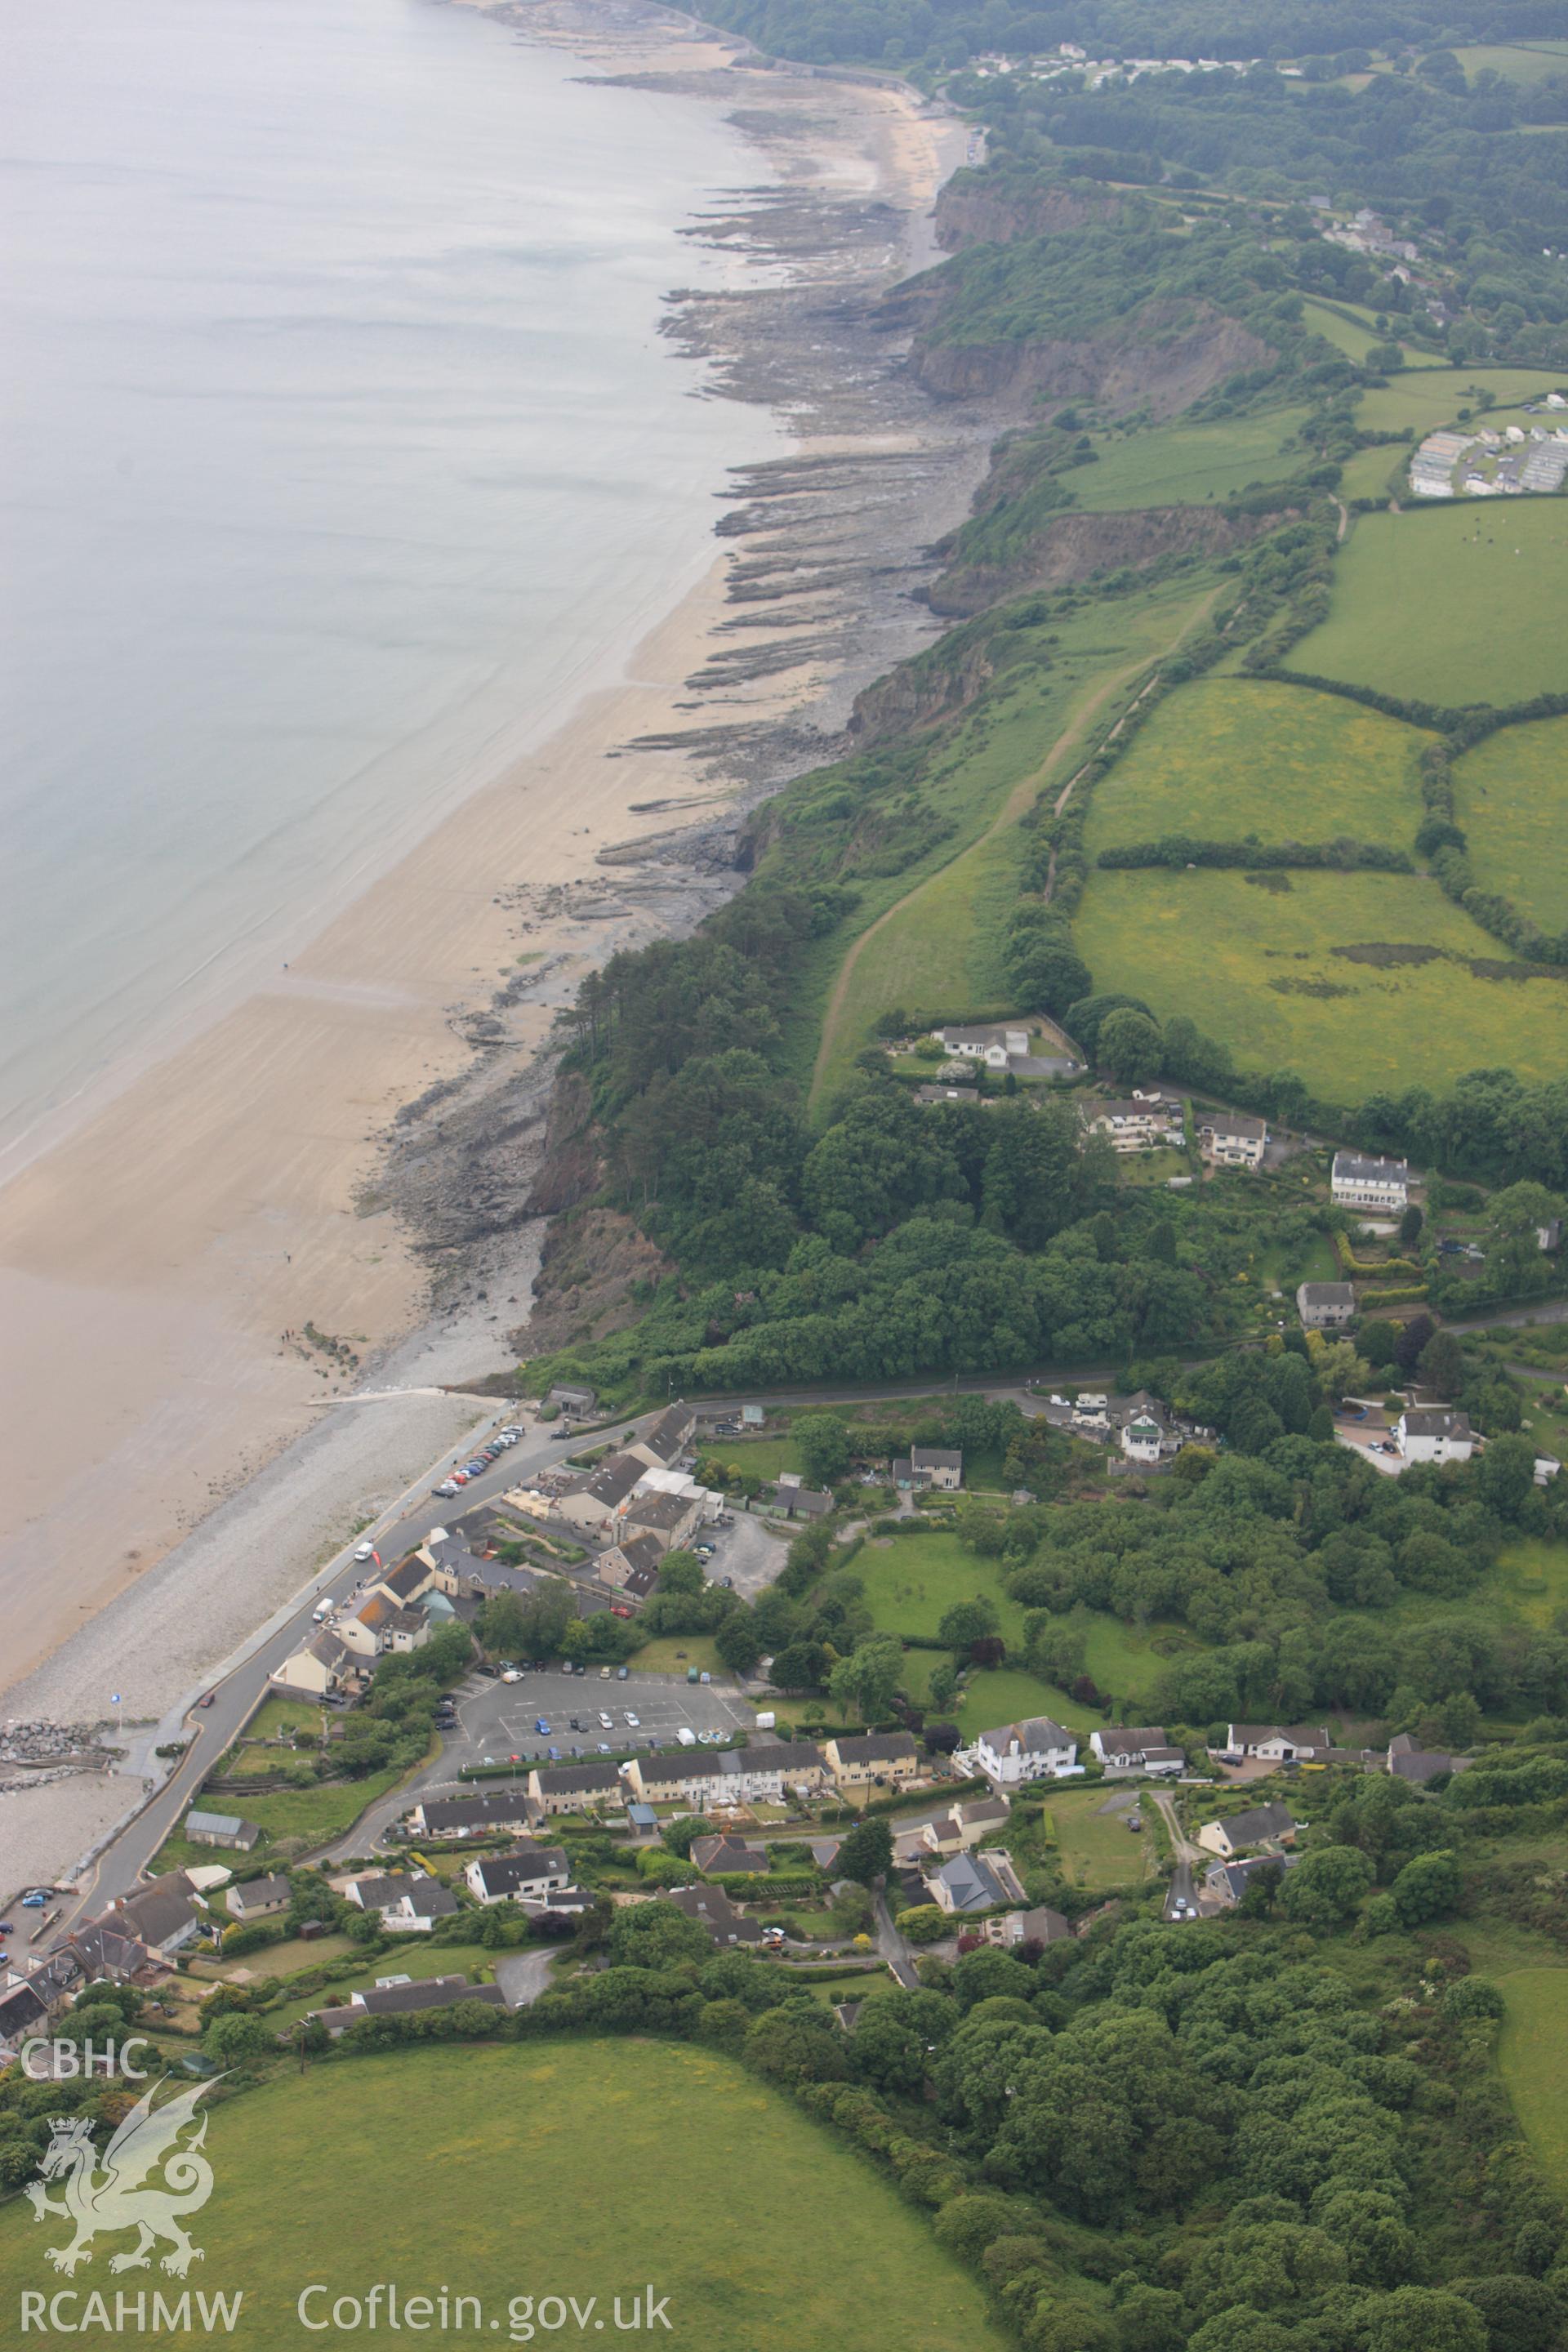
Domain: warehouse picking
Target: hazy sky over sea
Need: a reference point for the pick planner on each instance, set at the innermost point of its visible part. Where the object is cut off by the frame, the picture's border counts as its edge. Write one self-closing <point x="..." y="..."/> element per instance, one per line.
<point x="338" y="448"/>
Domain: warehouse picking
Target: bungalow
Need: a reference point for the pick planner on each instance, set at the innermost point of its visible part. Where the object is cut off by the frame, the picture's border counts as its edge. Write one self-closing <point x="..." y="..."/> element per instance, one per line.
<point x="1227" y="1882"/>
<point x="975" y="1882"/>
<point x="712" y="1909"/>
<point x="164" y="1915"/>
<point x="1359" y="1183"/>
<point x="629" y="1565"/>
<point x="1406" y="1762"/>
<point x="258" y="1898"/>
<point x="221" y="1829"/>
<point x="1435" y="1433"/>
<point x="1325" y="1306"/>
<point x="1258" y="1825"/>
<point x="994" y="1046"/>
<point x="1124" y="1747"/>
<point x="575" y="1789"/>
<point x="511" y="1808"/>
<point x="395" y="1997"/>
<point x="1278" y="1745"/>
<point x="593" y="1501"/>
<point x="1141" y="1123"/>
<point x="727" y="1857"/>
<point x="878" y="1755"/>
<point x="1034" y="1749"/>
<point x="417" y="1905"/>
<point x="1227" y="1139"/>
<point x="662" y="1446"/>
<point x="527" y="1873"/>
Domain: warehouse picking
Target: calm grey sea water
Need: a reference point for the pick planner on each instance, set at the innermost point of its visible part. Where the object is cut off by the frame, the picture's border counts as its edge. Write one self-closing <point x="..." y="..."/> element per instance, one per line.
<point x="338" y="454"/>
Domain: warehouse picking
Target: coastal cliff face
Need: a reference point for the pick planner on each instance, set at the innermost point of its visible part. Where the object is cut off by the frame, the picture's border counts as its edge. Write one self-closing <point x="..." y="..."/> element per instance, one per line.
<point x="971" y="210"/>
<point x="570" y="1169"/>
<point x="1162" y="358"/>
<point x="585" y="1287"/>
<point x="1075" y="546"/>
<point x="919" y="693"/>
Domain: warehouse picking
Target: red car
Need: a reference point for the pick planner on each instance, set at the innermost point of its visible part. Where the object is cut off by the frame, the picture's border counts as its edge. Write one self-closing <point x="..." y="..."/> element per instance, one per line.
<point x="208" y="1700"/>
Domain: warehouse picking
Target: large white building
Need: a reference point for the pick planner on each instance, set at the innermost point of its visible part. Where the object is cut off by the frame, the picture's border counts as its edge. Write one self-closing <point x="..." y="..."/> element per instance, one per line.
<point x="1035" y="1750"/>
<point x="1435" y="1433"/>
<point x="1357" y="1183"/>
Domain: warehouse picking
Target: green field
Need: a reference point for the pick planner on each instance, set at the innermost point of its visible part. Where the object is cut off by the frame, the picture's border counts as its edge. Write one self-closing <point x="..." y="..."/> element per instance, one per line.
<point x="1426" y="397"/>
<point x="575" y="2168"/>
<point x="1229" y="757"/>
<point x="1516" y="61"/>
<point x="1374" y="473"/>
<point x="1245" y="962"/>
<point x="1182" y="465"/>
<point x="274" y="1717"/>
<point x="1097" y="1849"/>
<point x="1530" y="1579"/>
<point x="1009" y="1694"/>
<point x="1511" y="796"/>
<point x="910" y="1580"/>
<point x="294" y="1820"/>
<point x="933" y="949"/>
<point x="1354" y="335"/>
<point x="1533" y="2055"/>
<point x="413" y="1955"/>
<point x="1457" y="605"/>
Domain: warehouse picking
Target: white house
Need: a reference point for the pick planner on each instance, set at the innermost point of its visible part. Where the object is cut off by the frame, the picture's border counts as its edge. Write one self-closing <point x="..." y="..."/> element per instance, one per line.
<point x="1138" y="1124"/>
<point x="1357" y="1183"/>
<point x="1035" y="1750"/>
<point x="1325" y="1306"/>
<point x="993" y="1046"/>
<point x="1142" y="1438"/>
<point x="1228" y="1140"/>
<point x="526" y="1874"/>
<point x="1433" y="1433"/>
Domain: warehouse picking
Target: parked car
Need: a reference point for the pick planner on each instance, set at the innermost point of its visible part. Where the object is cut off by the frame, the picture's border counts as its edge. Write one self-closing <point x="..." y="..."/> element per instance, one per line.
<point x="557" y="1433"/>
<point x="36" y="1900"/>
<point x="446" y="1488"/>
<point x="603" y="1673"/>
<point x="554" y="1754"/>
<point x="621" y="1673"/>
<point x="541" y="1728"/>
<point x="634" y="1722"/>
<point x="603" y="1748"/>
<point x="606" y="1722"/>
<point x="363" y="1553"/>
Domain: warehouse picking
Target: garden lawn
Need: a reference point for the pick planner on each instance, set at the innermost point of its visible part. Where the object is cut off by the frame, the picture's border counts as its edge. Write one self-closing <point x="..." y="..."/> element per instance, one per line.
<point x="1096" y="1850"/>
<point x="413" y="1955"/>
<point x="1009" y="1694"/>
<point x="673" y="1654"/>
<point x="910" y="1580"/>
<point x="1534" y="2055"/>
<point x="1459" y="604"/>
<point x="1510" y="801"/>
<point x="1257" y="968"/>
<point x="1229" y="756"/>
<point x="294" y="1820"/>
<point x="1428" y="397"/>
<point x="516" y="2150"/>
<point x="274" y="1717"/>
<point x="1182" y="464"/>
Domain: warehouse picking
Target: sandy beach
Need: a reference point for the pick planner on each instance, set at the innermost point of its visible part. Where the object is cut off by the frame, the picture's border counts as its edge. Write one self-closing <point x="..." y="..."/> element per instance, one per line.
<point x="192" y="1283"/>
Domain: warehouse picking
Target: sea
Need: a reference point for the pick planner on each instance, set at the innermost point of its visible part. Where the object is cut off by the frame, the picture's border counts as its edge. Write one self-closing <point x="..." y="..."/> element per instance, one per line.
<point x="339" y="454"/>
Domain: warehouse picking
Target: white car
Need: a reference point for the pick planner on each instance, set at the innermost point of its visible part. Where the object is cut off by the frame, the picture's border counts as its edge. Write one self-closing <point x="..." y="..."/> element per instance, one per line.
<point x="634" y="1722"/>
<point x="511" y="1676"/>
<point x="606" y="1722"/>
<point x="363" y="1553"/>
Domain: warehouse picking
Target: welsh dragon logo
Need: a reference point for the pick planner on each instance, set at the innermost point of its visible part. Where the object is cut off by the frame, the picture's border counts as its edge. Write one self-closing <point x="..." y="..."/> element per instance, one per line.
<point x="102" y="2198"/>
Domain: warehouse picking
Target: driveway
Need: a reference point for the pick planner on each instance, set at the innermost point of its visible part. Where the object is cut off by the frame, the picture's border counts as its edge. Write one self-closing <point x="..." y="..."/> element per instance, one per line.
<point x="1182" y="1888"/>
<point x="892" y="1947"/>
<point x="523" y="1976"/>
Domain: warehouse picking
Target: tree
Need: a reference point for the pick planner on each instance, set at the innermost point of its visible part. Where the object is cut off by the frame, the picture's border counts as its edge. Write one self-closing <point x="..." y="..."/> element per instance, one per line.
<point x="1320" y="1428"/>
<point x="1427" y="1887"/>
<point x="822" y="1441"/>
<point x="234" y="2039"/>
<point x="1412" y="1339"/>
<point x="1411" y="1223"/>
<point x="1522" y="2315"/>
<point x="502" y="1625"/>
<point x="654" y="1935"/>
<point x="738" y="1643"/>
<point x="866" y="1682"/>
<point x="1377" y="1343"/>
<point x="1130" y="1046"/>
<point x="1507" y="1474"/>
<point x="923" y="1923"/>
<point x="682" y="1572"/>
<point x="1325" y="1887"/>
<point x="966" y="1622"/>
<point x="796" y="2042"/>
<point x="1442" y="1364"/>
<point x="1421" y="2319"/>
<point x="866" y="1853"/>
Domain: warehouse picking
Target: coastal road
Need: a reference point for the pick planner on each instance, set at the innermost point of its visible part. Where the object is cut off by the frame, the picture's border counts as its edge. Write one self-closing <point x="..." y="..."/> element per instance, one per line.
<point x="241" y="1682"/>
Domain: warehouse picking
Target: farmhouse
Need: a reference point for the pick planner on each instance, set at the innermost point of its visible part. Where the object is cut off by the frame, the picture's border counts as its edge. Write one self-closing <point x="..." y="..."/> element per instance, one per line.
<point x="1325" y="1306"/>
<point x="879" y="1755"/>
<point x="1258" y="1825"/>
<point x="258" y="1898"/>
<point x="1034" y="1749"/>
<point x="1357" y="1183"/>
<point x="526" y="1874"/>
<point x="1433" y="1433"/>
<point x="221" y="1829"/>
<point x="1123" y="1747"/>
<point x="1139" y="1124"/>
<point x="1228" y="1140"/>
